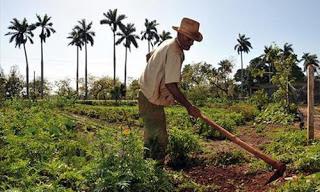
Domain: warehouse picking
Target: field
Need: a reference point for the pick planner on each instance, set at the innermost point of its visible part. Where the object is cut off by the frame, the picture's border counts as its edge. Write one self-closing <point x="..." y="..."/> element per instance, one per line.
<point x="59" y="145"/>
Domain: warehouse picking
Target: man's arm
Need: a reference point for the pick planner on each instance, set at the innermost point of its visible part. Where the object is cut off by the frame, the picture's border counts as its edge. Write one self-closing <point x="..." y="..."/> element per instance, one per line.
<point x="178" y="96"/>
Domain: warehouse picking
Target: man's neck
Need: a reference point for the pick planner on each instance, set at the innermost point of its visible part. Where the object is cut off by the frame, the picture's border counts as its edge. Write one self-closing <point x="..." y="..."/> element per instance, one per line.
<point x="177" y="40"/>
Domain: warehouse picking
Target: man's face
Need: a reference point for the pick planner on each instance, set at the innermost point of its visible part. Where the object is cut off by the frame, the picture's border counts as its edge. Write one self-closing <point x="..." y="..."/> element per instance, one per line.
<point x="185" y="41"/>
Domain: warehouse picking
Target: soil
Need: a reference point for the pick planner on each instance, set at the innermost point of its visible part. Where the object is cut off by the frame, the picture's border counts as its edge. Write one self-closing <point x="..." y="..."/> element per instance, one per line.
<point x="235" y="177"/>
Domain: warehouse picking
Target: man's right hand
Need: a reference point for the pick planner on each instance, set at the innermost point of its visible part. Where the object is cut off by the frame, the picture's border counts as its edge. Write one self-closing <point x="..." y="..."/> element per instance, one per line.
<point x="194" y="111"/>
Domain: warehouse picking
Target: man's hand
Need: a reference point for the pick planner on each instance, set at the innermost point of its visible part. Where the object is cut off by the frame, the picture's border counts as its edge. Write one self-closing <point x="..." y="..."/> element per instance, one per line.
<point x="194" y="111"/>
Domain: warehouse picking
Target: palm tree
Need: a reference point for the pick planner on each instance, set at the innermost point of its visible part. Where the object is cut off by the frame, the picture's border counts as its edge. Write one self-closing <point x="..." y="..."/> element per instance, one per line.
<point x="46" y="30"/>
<point x="287" y="49"/>
<point x="267" y="58"/>
<point x="77" y="41"/>
<point x="243" y="46"/>
<point x="114" y="21"/>
<point x="150" y="33"/>
<point x="87" y="37"/>
<point x="164" y="36"/>
<point x="21" y="33"/>
<point x="128" y="36"/>
<point x="225" y="67"/>
<point x="310" y="60"/>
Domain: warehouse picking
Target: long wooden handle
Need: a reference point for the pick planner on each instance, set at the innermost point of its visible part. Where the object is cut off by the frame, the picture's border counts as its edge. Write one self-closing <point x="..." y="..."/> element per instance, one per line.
<point x="274" y="163"/>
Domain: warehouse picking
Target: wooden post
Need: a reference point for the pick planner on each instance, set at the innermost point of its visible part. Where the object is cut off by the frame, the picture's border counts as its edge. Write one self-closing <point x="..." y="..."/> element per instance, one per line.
<point x="310" y="118"/>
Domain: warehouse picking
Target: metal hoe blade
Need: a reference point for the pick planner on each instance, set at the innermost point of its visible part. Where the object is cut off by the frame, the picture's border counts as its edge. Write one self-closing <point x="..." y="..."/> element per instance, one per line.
<point x="279" y="173"/>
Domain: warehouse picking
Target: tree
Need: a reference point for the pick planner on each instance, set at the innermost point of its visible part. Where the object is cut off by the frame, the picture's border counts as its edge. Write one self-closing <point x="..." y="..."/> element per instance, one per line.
<point x="133" y="89"/>
<point x="150" y="33"/>
<point x="64" y="88"/>
<point x="14" y="84"/>
<point x="77" y="41"/>
<point x="3" y="82"/>
<point x="268" y="57"/>
<point x="87" y="37"/>
<point x="101" y="88"/>
<point x="310" y="60"/>
<point x="21" y="33"/>
<point x="114" y="21"/>
<point x="283" y="64"/>
<point x="243" y="46"/>
<point x="46" y="30"/>
<point x="164" y="36"/>
<point x="36" y="88"/>
<point x="128" y="36"/>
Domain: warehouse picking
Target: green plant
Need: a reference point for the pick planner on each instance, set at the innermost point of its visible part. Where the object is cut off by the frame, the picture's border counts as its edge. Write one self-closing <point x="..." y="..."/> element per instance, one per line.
<point x="182" y="143"/>
<point x="123" y="168"/>
<point x="260" y="99"/>
<point x="303" y="184"/>
<point x="247" y="110"/>
<point x="275" y="113"/>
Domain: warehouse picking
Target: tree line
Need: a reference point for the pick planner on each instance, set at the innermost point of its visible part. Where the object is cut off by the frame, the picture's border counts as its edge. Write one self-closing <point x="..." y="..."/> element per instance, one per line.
<point x="21" y="32"/>
<point x="276" y="65"/>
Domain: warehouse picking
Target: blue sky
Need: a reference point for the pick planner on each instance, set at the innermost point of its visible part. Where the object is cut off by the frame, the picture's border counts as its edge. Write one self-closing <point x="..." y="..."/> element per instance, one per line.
<point x="264" y="21"/>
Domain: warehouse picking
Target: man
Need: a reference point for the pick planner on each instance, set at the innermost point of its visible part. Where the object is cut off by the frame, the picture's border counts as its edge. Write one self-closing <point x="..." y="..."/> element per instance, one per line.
<point x="159" y="87"/>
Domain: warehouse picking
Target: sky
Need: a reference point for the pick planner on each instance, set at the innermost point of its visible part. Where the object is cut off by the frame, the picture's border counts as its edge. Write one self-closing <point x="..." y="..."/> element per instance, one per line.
<point x="263" y="21"/>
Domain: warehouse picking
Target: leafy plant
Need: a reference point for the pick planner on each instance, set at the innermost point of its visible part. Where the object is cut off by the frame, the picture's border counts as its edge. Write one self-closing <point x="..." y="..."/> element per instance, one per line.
<point x="275" y="113"/>
<point x="182" y="143"/>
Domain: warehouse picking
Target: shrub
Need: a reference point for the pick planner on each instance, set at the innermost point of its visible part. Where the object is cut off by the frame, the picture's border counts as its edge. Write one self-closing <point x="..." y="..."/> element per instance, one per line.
<point x="275" y="113"/>
<point x="247" y="110"/>
<point x="123" y="168"/>
<point x="182" y="143"/>
<point x="260" y="99"/>
<point x="292" y="148"/>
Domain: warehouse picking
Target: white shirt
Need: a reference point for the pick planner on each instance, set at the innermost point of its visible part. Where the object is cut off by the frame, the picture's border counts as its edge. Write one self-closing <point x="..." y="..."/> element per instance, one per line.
<point x="164" y="66"/>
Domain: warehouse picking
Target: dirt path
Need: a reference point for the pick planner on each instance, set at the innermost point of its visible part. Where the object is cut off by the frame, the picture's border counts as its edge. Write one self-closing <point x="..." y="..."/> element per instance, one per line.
<point x="303" y="109"/>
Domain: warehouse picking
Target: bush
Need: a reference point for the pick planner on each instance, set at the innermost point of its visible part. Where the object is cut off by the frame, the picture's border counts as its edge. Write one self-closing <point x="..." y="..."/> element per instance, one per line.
<point x="182" y="143"/>
<point x="292" y="147"/>
<point x="275" y="113"/>
<point x="247" y="110"/>
<point x="260" y="99"/>
<point x="123" y="168"/>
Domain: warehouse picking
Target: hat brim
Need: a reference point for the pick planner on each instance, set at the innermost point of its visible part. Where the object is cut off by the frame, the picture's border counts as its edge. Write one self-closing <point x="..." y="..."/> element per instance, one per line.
<point x="195" y="36"/>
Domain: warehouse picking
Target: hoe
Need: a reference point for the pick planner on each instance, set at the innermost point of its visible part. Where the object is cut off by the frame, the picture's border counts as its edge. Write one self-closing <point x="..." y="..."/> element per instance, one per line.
<point x="277" y="165"/>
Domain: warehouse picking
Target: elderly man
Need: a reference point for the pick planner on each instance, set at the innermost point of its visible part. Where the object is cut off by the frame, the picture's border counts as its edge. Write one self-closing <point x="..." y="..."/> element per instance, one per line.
<point x="159" y="87"/>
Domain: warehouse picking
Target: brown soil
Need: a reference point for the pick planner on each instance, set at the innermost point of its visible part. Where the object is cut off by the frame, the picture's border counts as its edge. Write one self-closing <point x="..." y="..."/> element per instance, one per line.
<point x="235" y="177"/>
<point x="232" y="178"/>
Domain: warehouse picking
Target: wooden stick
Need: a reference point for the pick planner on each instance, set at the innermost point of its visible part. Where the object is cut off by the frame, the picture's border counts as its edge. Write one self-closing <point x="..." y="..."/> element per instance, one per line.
<point x="257" y="153"/>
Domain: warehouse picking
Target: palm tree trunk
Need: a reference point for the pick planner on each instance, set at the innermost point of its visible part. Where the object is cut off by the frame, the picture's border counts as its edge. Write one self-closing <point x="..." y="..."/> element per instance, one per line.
<point x="85" y="80"/>
<point x="41" y="87"/>
<point x="241" y="73"/>
<point x="27" y="69"/>
<point x="77" y="73"/>
<point x="148" y="46"/>
<point x="114" y="59"/>
<point x="125" y="70"/>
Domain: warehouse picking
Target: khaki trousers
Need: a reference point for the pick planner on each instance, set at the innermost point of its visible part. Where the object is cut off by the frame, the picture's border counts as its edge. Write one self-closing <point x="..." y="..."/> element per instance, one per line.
<point x="155" y="131"/>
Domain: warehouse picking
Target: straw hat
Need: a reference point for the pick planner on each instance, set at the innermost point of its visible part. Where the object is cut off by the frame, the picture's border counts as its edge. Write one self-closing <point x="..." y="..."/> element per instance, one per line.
<point x="189" y="28"/>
